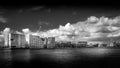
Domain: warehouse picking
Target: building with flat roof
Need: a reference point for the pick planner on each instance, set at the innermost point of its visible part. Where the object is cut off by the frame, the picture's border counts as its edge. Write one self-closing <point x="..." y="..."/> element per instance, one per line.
<point x="36" y="42"/>
<point x="18" y="40"/>
<point x="82" y="43"/>
<point x="50" y="42"/>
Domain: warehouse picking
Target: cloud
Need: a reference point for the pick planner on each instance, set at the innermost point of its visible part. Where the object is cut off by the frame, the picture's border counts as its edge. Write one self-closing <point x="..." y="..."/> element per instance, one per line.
<point x="30" y="9"/>
<point x="6" y="31"/>
<point x="2" y="12"/>
<point x="91" y="29"/>
<point x="43" y="23"/>
<point x="2" y="19"/>
<point x="37" y="8"/>
<point x="26" y="30"/>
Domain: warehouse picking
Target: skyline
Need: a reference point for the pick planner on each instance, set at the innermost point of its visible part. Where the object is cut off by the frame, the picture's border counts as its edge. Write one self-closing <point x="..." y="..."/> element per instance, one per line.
<point x="101" y="29"/>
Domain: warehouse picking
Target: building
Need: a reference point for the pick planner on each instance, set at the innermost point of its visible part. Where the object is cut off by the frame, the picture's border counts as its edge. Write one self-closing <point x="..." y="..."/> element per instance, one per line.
<point x="82" y="44"/>
<point x="15" y="40"/>
<point x="36" y="42"/>
<point x="7" y="40"/>
<point x="23" y="42"/>
<point x="50" y="42"/>
<point x="18" y="40"/>
<point x="1" y="42"/>
<point x="116" y="44"/>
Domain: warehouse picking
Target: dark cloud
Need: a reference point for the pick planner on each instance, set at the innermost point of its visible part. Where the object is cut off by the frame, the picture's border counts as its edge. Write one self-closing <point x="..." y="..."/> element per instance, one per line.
<point x="30" y="9"/>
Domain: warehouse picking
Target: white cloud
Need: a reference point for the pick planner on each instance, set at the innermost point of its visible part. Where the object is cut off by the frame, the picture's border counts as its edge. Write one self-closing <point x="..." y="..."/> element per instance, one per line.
<point x="92" y="19"/>
<point x="92" y="28"/>
<point x="26" y="30"/>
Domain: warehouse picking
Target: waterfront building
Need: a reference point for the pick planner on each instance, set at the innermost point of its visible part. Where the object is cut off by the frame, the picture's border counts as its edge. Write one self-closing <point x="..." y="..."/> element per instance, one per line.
<point x="111" y="44"/>
<point x="90" y="44"/>
<point x="50" y="42"/>
<point x="36" y="42"/>
<point x="18" y="40"/>
<point x="82" y="44"/>
<point x="2" y="42"/>
<point x="6" y="40"/>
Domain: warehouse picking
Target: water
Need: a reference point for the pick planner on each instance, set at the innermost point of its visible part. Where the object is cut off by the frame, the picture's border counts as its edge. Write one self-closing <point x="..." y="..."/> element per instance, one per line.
<point x="60" y="58"/>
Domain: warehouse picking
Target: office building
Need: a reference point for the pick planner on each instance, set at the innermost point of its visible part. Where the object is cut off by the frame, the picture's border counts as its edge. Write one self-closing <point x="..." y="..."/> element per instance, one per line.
<point x="36" y="42"/>
<point x="18" y="40"/>
<point x="50" y="42"/>
<point x="2" y="42"/>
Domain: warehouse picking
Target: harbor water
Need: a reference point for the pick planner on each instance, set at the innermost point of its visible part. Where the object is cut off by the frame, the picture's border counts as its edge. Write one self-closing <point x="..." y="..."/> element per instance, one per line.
<point x="60" y="58"/>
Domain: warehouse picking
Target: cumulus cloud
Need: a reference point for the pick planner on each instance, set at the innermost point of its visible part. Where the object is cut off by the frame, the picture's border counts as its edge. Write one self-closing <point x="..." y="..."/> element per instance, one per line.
<point x="90" y="29"/>
<point x="26" y="30"/>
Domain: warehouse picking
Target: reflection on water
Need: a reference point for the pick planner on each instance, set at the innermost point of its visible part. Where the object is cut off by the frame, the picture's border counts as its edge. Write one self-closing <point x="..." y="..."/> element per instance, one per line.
<point x="66" y="55"/>
<point x="59" y="55"/>
<point x="7" y="57"/>
<point x="97" y="52"/>
<point x="21" y="55"/>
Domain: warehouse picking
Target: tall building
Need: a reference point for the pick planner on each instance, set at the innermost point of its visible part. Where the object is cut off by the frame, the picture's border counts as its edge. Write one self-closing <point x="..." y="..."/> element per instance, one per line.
<point x="18" y="40"/>
<point x="2" y="41"/>
<point x="7" y="37"/>
<point x="36" y="42"/>
<point x="22" y="41"/>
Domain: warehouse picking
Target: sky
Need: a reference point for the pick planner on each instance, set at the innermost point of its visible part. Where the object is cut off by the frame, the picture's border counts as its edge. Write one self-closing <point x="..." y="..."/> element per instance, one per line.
<point x="54" y="17"/>
<point x="47" y="16"/>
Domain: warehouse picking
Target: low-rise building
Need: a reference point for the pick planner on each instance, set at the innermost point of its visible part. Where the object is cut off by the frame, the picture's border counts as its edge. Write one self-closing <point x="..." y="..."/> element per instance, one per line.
<point x="82" y="44"/>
